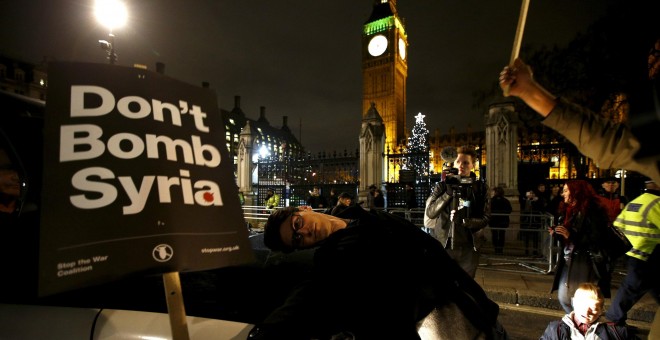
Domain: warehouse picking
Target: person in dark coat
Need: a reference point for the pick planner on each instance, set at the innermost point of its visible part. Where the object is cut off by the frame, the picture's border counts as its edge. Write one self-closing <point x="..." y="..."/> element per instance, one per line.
<point x="411" y="198"/>
<point x="611" y="198"/>
<point x="316" y="200"/>
<point x="379" y="199"/>
<point x="500" y="208"/>
<point x="554" y="201"/>
<point x="582" y="233"/>
<point x="536" y="202"/>
<point x="333" y="198"/>
<point x="370" y="197"/>
<point x="375" y="276"/>
<point x="345" y="201"/>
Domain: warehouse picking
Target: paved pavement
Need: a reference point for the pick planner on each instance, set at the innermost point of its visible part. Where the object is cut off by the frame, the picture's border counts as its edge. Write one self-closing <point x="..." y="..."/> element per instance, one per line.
<point x="514" y="283"/>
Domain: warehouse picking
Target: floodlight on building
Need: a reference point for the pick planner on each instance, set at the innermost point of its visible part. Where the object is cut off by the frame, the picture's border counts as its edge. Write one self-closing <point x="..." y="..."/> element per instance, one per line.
<point x="263" y="152"/>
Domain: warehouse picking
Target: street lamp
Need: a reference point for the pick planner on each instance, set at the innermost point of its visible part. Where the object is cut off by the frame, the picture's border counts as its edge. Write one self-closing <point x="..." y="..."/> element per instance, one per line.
<point x="263" y="151"/>
<point x="111" y="14"/>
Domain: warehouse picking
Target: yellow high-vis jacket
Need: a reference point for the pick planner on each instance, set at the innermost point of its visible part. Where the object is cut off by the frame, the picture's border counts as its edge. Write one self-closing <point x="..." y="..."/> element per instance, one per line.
<point x="640" y="222"/>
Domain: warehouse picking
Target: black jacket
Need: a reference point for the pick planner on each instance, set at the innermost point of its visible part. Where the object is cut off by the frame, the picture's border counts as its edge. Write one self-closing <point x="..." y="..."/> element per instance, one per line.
<point x="588" y="234"/>
<point x="376" y="279"/>
<point x="500" y="208"/>
<point x="564" y="328"/>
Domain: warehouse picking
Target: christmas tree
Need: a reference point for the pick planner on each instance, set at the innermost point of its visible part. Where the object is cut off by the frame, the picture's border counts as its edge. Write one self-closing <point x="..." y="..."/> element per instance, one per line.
<point x="418" y="147"/>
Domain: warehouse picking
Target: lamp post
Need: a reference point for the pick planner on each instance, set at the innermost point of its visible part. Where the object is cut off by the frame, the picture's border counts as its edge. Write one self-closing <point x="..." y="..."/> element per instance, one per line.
<point x="111" y="14"/>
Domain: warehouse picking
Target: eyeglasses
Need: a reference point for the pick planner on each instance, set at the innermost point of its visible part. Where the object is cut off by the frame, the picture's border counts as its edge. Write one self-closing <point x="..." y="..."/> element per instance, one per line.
<point x="296" y="224"/>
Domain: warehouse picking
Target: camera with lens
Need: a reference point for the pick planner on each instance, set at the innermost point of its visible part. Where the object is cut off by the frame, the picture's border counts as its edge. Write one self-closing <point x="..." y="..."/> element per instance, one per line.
<point x="459" y="185"/>
<point x="447" y="173"/>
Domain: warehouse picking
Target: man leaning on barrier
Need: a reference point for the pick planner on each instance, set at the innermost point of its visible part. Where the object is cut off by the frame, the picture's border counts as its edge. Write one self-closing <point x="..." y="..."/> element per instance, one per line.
<point x="375" y="276"/>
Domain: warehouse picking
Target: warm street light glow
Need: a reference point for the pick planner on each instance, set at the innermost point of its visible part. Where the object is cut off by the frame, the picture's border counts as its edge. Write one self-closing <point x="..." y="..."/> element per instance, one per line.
<point x="110" y="13"/>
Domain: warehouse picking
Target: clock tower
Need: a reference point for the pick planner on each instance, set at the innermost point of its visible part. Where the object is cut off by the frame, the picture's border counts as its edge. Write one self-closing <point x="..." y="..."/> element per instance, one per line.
<point x="385" y="69"/>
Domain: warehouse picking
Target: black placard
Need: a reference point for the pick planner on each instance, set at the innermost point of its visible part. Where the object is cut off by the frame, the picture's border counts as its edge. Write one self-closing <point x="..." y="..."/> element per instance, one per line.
<point x="137" y="179"/>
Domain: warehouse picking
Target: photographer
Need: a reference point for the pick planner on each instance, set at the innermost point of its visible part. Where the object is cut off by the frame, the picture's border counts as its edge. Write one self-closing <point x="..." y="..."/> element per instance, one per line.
<point x="460" y="205"/>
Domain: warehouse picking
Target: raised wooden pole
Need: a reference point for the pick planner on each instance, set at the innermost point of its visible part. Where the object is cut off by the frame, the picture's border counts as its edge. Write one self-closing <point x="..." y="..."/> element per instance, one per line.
<point x="517" y="40"/>
<point x="175" y="307"/>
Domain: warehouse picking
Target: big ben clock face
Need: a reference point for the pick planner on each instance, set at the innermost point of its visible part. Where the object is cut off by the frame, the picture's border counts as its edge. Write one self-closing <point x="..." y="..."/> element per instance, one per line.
<point x="402" y="49"/>
<point x="377" y="45"/>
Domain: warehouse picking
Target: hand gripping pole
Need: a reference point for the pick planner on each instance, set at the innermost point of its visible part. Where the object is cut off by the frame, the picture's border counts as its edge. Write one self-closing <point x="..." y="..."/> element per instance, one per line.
<point x="517" y="40"/>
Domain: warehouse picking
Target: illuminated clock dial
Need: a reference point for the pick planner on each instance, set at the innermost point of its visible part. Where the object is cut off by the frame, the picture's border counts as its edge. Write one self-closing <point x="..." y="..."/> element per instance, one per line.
<point x="402" y="49"/>
<point x="377" y="45"/>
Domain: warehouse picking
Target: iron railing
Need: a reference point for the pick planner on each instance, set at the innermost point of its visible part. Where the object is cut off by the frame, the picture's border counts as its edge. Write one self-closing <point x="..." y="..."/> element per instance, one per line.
<point x="528" y="247"/>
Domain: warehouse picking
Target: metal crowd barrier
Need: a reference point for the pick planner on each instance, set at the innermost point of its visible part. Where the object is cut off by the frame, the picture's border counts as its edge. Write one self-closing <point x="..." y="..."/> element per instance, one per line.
<point x="528" y="248"/>
<point x="255" y="216"/>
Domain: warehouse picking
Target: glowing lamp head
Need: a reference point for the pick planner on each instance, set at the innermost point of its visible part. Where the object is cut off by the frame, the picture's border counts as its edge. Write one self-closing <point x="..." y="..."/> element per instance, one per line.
<point x="110" y="13"/>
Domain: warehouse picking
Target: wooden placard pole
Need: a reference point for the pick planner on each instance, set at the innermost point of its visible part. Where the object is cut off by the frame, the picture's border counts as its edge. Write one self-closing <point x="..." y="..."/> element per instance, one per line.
<point x="175" y="307"/>
<point x="623" y="182"/>
<point x="517" y="40"/>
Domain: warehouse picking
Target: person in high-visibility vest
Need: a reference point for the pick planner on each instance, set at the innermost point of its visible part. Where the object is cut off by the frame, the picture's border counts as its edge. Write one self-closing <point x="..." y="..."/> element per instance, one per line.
<point x="272" y="199"/>
<point x="640" y="222"/>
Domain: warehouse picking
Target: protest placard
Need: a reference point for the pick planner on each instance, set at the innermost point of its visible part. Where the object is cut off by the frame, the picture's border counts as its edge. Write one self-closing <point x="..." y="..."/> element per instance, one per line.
<point x="137" y="179"/>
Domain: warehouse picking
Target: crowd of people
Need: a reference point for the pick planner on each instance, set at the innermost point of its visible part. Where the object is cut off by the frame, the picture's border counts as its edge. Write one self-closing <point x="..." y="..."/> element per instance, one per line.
<point x="375" y="199"/>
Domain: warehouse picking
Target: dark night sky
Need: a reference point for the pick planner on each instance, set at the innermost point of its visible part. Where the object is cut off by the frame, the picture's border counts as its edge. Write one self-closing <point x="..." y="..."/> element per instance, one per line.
<point x="302" y="59"/>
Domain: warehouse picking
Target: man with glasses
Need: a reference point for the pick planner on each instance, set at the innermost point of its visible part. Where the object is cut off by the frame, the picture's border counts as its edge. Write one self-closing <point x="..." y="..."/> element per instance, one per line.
<point x="375" y="276"/>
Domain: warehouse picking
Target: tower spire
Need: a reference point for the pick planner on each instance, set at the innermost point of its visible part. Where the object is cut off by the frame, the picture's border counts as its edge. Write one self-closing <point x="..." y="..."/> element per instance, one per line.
<point x="385" y="69"/>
